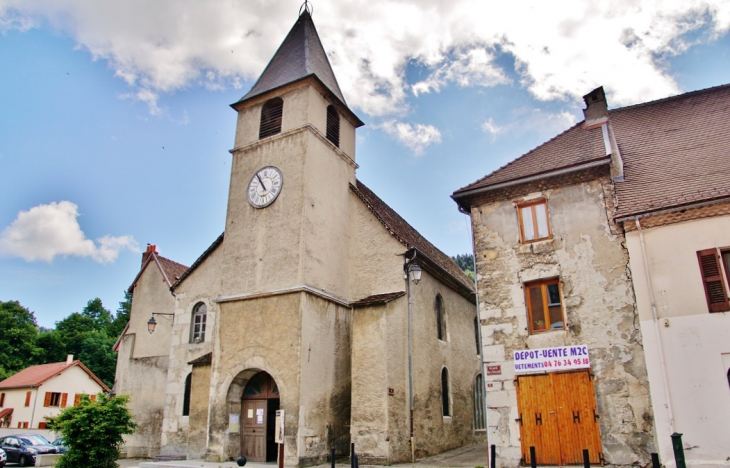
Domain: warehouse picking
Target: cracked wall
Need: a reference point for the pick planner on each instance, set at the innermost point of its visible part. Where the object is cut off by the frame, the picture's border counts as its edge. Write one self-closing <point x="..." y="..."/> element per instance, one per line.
<point x="588" y="256"/>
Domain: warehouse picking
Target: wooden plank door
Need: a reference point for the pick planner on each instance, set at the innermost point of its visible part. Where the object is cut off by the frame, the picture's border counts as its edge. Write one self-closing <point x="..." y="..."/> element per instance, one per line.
<point x="539" y="423"/>
<point x="253" y="437"/>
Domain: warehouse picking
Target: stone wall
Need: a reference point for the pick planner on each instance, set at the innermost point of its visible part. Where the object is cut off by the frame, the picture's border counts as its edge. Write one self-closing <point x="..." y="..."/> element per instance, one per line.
<point x="588" y="256"/>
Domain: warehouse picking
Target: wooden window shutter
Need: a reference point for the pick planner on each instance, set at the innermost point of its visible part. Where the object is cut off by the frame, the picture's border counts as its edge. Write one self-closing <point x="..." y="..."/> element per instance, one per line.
<point x="714" y="284"/>
<point x="92" y="397"/>
<point x="47" y="401"/>
<point x="25" y="425"/>
<point x="64" y="399"/>
<point x="20" y="425"/>
<point x="27" y="399"/>
<point x="77" y="399"/>
<point x="41" y="425"/>
<point x="2" y="399"/>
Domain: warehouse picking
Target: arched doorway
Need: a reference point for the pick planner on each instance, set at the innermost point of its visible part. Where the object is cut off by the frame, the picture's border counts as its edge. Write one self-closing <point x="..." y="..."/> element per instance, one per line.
<point x="259" y="403"/>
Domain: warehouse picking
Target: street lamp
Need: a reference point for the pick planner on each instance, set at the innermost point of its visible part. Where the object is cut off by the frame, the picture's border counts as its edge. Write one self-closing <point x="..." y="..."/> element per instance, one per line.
<point x="415" y="272"/>
<point x="152" y="323"/>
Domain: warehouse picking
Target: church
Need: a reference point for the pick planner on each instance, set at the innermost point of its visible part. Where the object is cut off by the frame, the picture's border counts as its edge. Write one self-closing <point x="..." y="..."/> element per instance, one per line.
<point x="319" y="318"/>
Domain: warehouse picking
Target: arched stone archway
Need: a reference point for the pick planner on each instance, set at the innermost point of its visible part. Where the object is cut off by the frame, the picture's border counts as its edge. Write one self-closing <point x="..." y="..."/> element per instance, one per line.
<point x="259" y="403"/>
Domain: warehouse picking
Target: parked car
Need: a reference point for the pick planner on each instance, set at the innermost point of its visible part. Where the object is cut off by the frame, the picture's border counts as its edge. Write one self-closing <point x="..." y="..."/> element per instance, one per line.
<point x="3" y="458"/>
<point x="23" y="448"/>
<point x="58" y="443"/>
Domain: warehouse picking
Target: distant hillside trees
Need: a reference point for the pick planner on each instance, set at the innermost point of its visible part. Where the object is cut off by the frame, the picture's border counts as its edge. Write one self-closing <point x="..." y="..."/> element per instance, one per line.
<point x="466" y="263"/>
<point x="89" y="335"/>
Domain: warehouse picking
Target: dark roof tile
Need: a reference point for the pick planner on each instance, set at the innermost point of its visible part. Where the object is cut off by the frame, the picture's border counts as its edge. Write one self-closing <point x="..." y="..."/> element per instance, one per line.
<point x="377" y="299"/>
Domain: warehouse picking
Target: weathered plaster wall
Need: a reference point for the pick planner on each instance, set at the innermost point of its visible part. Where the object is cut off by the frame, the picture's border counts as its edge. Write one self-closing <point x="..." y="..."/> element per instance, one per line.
<point x="586" y="253"/>
<point x="435" y="433"/>
<point x="693" y="340"/>
<point x="199" y="400"/>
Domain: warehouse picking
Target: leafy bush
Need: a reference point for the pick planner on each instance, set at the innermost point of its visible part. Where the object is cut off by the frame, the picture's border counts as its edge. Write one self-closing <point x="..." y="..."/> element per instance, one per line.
<point x="93" y="431"/>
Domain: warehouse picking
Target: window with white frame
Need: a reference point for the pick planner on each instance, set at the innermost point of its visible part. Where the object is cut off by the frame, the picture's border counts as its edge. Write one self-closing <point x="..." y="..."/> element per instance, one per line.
<point x="200" y="315"/>
<point x="534" y="223"/>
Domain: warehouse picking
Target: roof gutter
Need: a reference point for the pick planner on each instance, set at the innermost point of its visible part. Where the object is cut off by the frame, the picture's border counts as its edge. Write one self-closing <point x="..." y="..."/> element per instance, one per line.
<point x="673" y="209"/>
<point x="523" y="180"/>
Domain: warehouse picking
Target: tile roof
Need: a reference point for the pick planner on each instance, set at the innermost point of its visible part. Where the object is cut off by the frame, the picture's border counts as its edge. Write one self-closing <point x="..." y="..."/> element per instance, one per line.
<point x="300" y="55"/>
<point x="171" y="270"/>
<point x="407" y="235"/>
<point x="676" y="151"/>
<point x="573" y="147"/>
<point x="204" y="359"/>
<point x="33" y="376"/>
<point x="377" y="299"/>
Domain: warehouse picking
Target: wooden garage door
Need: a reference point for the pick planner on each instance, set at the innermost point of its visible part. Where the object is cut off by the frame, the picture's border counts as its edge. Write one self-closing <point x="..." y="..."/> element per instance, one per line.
<point x="558" y="417"/>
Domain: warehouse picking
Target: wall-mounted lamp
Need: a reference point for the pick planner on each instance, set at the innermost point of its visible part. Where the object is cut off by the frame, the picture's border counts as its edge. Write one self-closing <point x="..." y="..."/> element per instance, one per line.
<point x="415" y="272"/>
<point x="152" y="323"/>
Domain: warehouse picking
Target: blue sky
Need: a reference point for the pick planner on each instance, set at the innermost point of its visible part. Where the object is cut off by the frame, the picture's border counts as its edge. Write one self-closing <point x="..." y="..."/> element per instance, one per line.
<point x="115" y="122"/>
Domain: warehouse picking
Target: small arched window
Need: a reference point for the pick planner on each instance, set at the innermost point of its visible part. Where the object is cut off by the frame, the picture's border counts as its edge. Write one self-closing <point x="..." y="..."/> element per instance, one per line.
<point x="440" y="318"/>
<point x="333" y="126"/>
<point x="271" y="114"/>
<point x="445" y="401"/>
<point x="186" y="395"/>
<point x="479" y="403"/>
<point x="200" y="315"/>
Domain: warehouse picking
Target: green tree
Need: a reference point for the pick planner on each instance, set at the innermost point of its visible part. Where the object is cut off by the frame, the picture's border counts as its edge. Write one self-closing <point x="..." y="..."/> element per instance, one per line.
<point x="121" y="318"/>
<point x="52" y="346"/>
<point x="93" y="431"/>
<point x="18" y="336"/>
<point x="466" y="263"/>
<point x="95" y="311"/>
<point x="72" y="331"/>
<point x="96" y="354"/>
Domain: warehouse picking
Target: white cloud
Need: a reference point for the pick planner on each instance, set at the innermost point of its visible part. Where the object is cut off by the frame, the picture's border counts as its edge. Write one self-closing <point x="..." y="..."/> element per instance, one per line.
<point x="416" y="137"/>
<point x="48" y="231"/>
<point x="560" y="50"/>
<point x="493" y="129"/>
<point x="523" y="120"/>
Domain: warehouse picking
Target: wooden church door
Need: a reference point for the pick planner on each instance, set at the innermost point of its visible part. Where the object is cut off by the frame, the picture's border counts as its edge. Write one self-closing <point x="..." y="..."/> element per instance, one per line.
<point x="260" y="398"/>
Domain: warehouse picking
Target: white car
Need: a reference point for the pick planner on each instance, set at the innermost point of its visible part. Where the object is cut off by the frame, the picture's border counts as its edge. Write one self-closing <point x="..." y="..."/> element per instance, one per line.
<point x="3" y="458"/>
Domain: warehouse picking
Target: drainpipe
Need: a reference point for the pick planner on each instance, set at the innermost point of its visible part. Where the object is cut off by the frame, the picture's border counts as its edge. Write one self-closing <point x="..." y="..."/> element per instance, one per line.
<point x="660" y="345"/>
<point x="409" y="293"/>
<point x="35" y="400"/>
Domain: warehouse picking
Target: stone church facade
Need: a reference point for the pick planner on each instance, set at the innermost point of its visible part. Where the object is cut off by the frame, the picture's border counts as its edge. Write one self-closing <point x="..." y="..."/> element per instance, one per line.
<point x="310" y="302"/>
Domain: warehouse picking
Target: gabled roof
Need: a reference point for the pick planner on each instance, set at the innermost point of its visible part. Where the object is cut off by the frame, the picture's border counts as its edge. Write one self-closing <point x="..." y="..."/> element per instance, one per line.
<point x="676" y="151"/>
<point x="171" y="271"/>
<point x="408" y="236"/>
<point x="216" y="243"/>
<point x="377" y="299"/>
<point x="34" y="376"/>
<point x="299" y="56"/>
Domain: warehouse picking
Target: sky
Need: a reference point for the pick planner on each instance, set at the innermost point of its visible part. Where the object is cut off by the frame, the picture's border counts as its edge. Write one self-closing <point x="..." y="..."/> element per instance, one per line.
<point x="115" y="125"/>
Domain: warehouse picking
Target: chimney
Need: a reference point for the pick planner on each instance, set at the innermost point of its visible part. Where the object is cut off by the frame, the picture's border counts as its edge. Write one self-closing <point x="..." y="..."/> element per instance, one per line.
<point x="150" y="249"/>
<point x="69" y="359"/>
<point x="596" y="114"/>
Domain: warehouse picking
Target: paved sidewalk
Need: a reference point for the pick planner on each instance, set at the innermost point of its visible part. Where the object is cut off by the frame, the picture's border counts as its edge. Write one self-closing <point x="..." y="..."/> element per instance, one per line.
<point x="464" y="457"/>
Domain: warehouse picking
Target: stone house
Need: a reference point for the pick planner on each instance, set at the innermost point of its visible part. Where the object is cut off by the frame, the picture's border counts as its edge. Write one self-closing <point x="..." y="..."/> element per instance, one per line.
<point x="318" y="301"/>
<point x="35" y="394"/>
<point x="562" y="343"/>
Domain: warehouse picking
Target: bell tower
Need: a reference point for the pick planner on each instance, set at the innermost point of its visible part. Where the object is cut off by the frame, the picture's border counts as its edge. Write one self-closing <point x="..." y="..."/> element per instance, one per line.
<point x="293" y="161"/>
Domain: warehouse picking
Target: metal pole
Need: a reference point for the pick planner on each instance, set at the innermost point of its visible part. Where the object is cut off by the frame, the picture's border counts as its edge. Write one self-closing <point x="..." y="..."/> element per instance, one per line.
<point x="655" y="460"/>
<point x="678" y="450"/>
<point x="533" y="458"/>
<point x="332" y="458"/>
<point x="586" y="459"/>
<point x="493" y="456"/>
<point x="352" y="455"/>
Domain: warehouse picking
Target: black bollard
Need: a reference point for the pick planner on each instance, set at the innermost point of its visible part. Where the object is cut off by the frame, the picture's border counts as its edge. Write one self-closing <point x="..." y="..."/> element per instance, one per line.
<point x="533" y="458"/>
<point x="655" y="460"/>
<point x="678" y="450"/>
<point x="352" y="455"/>
<point x="241" y="461"/>
<point x="586" y="459"/>
<point x="493" y="456"/>
<point x="332" y="458"/>
<point x="357" y="461"/>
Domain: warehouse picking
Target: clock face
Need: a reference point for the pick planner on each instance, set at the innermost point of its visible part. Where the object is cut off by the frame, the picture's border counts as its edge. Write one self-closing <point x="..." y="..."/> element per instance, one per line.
<point x="264" y="187"/>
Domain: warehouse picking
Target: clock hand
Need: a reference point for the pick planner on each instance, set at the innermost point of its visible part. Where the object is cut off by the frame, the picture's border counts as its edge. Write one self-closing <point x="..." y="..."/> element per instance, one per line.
<point x="262" y="182"/>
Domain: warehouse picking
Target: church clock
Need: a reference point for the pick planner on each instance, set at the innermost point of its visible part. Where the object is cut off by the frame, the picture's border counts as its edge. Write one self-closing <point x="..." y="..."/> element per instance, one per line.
<point x="264" y="187"/>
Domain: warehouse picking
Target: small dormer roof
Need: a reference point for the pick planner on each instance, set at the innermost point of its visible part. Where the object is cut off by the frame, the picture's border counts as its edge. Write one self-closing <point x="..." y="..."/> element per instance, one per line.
<point x="299" y="56"/>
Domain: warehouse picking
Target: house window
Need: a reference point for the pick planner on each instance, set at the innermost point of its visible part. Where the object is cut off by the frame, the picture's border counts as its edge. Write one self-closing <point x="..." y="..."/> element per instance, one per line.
<point x="52" y="399"/>
<point x="534" y="221"/>
<point x="440" y="318"/>
<point x="445" y="401"/>
<point x="479" y="403"/>
<point x="200" y="313"/>
<point x="186" y="395"/>
<point x="544" y="308"/>
<point x="271" y="114"/>
<point x="27" y="399"/>
<point x="2" y="399"/>
<point x="712" y="264"/>
<point x="333" y="126"/>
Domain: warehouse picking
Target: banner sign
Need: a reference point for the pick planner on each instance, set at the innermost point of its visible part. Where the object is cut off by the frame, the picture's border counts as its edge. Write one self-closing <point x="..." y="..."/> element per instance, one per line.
<point x="552" y="359"/>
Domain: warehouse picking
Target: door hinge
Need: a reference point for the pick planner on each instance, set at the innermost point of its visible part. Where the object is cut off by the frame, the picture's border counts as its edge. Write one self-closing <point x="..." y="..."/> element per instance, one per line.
<point x="576" y="416"/>
<point x="595" y="416"/>
<point x="538" y="419"/>
<point x="516" y="382"/>
<point x="519" y="420"/>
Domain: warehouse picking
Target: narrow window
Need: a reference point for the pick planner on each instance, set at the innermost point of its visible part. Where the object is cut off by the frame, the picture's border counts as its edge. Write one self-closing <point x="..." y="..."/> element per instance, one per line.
<point x="52" y="399"/>
<point x="27" y="399"/>
<point x="2" y="399"/>
<point x="534" y="221"/>
<point x="544" y="308"/>
<point x="476" y="334"/>
<point x="186" y="395"/>
<point x="440" y="318"/>
<point x="446" y="407"/>
<point x="333" y="126"/>
<point x="479" y="403"/>
<point x="200" y="313"/>
<point x="713" y="282"/>
<point x="271" y="114"/>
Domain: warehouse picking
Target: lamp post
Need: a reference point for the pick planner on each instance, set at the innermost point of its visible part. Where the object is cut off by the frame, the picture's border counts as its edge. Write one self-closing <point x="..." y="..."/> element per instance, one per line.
<point x="412" y="272"/>
<point x="152" y="323"/>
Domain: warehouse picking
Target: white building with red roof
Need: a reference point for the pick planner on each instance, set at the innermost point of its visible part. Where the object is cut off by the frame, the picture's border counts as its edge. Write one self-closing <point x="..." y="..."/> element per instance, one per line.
<point x="35" y="394"/>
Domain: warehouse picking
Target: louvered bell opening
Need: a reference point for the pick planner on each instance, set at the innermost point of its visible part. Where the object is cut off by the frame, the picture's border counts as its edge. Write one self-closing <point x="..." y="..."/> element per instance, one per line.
<point x="333" y="126"/>
<point x="271" y="118"/>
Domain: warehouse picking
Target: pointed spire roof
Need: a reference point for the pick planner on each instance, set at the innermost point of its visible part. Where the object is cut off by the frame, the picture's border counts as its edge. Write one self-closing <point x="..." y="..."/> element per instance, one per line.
<point x="299" y="56"/>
